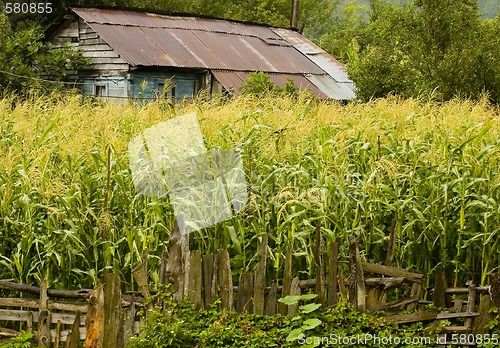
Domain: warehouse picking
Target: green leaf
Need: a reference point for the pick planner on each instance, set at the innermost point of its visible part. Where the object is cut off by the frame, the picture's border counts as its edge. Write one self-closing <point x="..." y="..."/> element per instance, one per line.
<point x="311" y="307"/>
<point x="295" y="335"/>
<point x="308" y="296"/>
<point x="289" y="300"/>
<point x="310" y="324"/>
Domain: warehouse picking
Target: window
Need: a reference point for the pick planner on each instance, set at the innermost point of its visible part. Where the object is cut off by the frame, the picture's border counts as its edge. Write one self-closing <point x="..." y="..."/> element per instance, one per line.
<point x="100" y="91"/>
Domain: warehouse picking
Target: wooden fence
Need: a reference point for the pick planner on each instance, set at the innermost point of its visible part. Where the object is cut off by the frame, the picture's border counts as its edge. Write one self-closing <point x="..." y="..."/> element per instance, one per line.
<point x="104" y="317"/>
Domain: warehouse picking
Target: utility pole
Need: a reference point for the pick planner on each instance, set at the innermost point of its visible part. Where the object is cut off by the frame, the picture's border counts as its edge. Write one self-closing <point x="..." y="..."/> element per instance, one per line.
<point x="295" y="15"/>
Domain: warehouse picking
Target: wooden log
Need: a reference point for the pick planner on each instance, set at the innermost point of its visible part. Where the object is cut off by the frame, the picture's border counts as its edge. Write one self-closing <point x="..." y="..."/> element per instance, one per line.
<point x="4" y="332"/>
<point x="245" y="292"/>
<point x="73" y="340"/>
<point x="43" y="336"/>
<point x="113" y="318"/>
<point x="413" y="317"/>
<point x="271" y="300"/>
<point x="162" y="267"/>
<point x="94" y="320"/>
<point x="209" y="279"/>
<point x="320" y="272"/>
<point x="457" y="305"/>
<point x="438" y="295"/>
<point x="29" y="322"/>
<point x="226" y="281"/>
<point x="195" y="279"/>
<point x="28" y="289"/>
<point x="357" y="293"/>
<point x="391" y="271"/>
<point x="287" y="278"/>
<point x="294" y="291"/>
<point x="260" y="277"/>
<point x="332" y="273"/>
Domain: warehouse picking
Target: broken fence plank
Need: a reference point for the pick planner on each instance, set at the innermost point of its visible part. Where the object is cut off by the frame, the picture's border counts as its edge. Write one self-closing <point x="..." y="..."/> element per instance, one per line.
<point x="391" y="271"/>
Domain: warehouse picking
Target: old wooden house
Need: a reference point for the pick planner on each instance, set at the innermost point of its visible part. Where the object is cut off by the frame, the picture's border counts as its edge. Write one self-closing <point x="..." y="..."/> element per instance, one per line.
<point x="147" y="55"/>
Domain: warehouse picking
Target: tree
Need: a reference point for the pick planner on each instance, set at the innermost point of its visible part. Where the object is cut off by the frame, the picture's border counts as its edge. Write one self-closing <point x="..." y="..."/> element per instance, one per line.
<point x="26" y="61"/>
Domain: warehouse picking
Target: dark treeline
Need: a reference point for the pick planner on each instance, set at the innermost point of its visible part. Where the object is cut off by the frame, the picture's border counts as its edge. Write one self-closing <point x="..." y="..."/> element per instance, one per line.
<point x="419" y="48"/>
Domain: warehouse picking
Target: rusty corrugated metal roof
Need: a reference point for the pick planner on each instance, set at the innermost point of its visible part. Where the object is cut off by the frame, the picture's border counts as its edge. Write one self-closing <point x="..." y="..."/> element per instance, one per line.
<point x="146" y="39"/>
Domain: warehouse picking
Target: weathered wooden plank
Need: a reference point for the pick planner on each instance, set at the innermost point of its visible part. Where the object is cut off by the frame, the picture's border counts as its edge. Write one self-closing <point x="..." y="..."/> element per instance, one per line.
<point x="209" y="281"/>
<point x="225" y="280"/>
<point x="320" y="271"/>
<point x="94" y="320"/>
<point x="107" y="60"/>
<point x="416" y="291"/>
<point x="287" y="278"/>
<point x="271" y="300"/>
<point x="393" y="304"/>
<point x="245" y="292"/>
<point x="84" y="293"/>
<point x="195" y="279"/>
<point x="457" y="329"/>
<point x="73" y="339"/>
<point x="65" y="333"/>
<point x="260" y="277"/>
<point x="34" y="303"/>
<point x="20" y="315"/>
<point x="113" y="319"/>
<point x="455" y="291"/>
<point x="96" y="47"/>
<point x="332" y="273"/>
<point x="391" y="271"/>
<point x="100" y="54"/>
<point x="92" y="35"/>
<point x="294" y="291"/>
<point x="441" y="316"/>
<point x="92" y="41"/>
<point x="385" y="283"/>
<point x="357" y="292"/>
<point x="413" y="317"/>
<point x="43" y="335"/>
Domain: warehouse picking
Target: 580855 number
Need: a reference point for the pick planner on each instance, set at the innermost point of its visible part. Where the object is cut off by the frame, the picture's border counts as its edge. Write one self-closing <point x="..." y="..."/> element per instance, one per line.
<point x="28" y="7"/>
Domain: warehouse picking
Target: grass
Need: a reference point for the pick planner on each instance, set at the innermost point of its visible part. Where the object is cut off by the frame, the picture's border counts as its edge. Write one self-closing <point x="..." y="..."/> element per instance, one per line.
<point x="430" y="169"/>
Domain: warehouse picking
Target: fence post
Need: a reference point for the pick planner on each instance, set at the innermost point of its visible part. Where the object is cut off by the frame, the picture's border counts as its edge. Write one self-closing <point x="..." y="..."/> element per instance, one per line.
<point x="113" y="318"/>
<point x="287" y="278"/>
<point x="318" y="258"/>
<point x="260" y="277"/>
<point x="43" y="338"/>
<point x="357" y="293"/>
<point x="94" y="319"/>
<point x="332" y="273"/>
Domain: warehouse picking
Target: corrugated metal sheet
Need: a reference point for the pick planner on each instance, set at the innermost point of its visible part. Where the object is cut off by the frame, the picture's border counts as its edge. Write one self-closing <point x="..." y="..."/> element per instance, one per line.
<point x="334" y="90"/>
<point x="145" y="39"/>
<point x="232" y="80"/>
<point x="329" y="64"/>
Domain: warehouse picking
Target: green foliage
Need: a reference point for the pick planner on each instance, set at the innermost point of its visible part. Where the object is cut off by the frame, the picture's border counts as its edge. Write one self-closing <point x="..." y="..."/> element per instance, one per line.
<point x="26" y="62"/>
<point x="259" y="83"/>
<point x="437" y="48"/>
<point x="22" y="341"/>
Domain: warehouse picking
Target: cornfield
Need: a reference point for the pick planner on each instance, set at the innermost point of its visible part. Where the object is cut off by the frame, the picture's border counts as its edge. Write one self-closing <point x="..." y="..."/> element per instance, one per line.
<point x="429" y="171"/>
